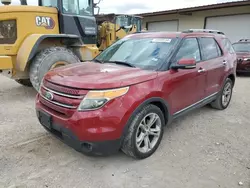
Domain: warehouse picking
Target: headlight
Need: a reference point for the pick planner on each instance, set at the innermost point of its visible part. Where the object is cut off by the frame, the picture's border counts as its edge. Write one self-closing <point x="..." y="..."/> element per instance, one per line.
<point x="97" y="99"/>
<point x="247" y="59"/>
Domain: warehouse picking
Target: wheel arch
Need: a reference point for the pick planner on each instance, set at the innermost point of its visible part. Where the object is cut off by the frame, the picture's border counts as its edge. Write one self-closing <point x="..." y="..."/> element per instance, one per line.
<point x="37" y="42"/>
<point x="232" y="77"/>
<point x="157" y="101"/>
<point x="164" y="108"/>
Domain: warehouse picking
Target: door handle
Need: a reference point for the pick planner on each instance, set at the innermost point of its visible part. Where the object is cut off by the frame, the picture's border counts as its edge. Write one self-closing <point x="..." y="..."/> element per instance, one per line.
<point x="201" y="70"/>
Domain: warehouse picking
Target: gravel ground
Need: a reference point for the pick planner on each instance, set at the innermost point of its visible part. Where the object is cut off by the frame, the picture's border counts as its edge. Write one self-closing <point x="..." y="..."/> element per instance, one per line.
<point x="204" y="149"/>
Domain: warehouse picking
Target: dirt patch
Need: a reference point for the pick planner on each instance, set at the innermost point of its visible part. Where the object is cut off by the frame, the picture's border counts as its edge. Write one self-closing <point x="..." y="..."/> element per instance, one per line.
<point x="206" y="148"/>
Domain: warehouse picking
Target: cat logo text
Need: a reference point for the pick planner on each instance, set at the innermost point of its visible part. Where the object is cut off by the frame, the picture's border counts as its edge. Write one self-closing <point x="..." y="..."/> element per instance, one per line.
<point x="46" y="22"/>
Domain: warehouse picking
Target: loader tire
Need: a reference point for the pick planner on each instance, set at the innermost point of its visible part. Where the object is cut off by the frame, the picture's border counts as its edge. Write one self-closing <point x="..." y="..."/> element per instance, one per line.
<point x="47" y="60"/>
<point x="24" y="82"/>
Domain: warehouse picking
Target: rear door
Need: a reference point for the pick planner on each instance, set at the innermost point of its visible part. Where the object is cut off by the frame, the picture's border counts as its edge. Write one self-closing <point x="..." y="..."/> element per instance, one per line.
<point x="214" y="64"/>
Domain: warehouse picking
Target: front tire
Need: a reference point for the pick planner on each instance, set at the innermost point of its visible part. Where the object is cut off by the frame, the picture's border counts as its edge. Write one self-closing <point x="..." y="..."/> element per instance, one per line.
<point x="145" y="133"/>
<point x="224" y="97"/>
<point x="47" y="60"/>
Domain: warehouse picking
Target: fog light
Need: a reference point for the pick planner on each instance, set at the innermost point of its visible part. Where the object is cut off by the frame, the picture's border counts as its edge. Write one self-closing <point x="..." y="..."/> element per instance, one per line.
<point x="87" y="147"/>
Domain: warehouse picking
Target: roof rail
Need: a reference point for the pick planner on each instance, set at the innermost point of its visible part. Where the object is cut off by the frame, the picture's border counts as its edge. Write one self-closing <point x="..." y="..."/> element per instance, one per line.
<point x="244" y="40"/>
<point x="204" y="31"/>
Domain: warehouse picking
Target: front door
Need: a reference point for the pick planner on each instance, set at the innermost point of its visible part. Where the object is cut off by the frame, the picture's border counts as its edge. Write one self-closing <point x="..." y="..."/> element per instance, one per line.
<point x="186" y="87"/>
<point x="215" y="64"/>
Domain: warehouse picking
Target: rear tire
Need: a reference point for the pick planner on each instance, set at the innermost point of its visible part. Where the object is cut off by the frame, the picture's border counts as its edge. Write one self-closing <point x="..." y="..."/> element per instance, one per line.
<point x="135" y="143"/>
<point x="46" y="60"/>
<point x="221" y="102"/>
<point x="24" y="82"/>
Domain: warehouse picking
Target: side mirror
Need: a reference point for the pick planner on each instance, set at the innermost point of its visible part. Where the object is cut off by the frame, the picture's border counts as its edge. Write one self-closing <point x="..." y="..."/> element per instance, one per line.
<point x="185" y="64"/>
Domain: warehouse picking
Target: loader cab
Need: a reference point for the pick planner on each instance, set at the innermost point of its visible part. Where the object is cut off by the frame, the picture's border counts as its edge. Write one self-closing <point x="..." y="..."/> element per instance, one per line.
<point x="76" y="17"/>
<point x="127" y="20"/>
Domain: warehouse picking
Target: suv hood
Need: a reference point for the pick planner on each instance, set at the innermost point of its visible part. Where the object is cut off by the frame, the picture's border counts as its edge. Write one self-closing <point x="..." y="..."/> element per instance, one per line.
<point x="89" y="75"/>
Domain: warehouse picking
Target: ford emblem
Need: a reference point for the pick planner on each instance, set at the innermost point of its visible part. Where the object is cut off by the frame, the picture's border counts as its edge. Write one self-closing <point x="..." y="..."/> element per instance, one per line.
<point x="49" y="96"/>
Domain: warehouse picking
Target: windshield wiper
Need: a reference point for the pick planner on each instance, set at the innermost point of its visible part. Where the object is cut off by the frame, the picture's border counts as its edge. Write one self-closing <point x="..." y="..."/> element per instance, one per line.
<point x="121" y="63"/>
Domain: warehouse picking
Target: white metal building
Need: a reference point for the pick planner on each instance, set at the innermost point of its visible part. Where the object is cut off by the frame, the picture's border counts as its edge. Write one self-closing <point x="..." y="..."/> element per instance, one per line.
<point x="232" y="18"/>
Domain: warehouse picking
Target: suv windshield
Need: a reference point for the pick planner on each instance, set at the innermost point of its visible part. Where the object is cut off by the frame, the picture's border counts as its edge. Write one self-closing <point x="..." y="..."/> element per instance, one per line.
<point x="144" y="53"/>
<point x="242" y="47"/>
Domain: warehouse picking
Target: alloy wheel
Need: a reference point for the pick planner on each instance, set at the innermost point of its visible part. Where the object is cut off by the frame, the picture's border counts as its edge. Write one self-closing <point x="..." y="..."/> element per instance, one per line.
<point x="148" y="132"/>
<point x="226" y="95"/>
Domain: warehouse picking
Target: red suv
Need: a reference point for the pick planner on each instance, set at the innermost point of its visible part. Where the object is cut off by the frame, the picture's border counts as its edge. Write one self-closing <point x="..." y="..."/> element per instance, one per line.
<point x="125" y="97"/>
<point x="242" y="49"/>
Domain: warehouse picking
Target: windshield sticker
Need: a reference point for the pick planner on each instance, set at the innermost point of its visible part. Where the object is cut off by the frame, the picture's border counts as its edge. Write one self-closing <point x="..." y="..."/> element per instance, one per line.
<point x="154" y="59"/>
<point x="162" y="40"/>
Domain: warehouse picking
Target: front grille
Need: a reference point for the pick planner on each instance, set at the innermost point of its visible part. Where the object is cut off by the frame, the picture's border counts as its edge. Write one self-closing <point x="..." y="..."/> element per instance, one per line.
<point x="61" y="99"/>
<point x="8" y="32"/>
<point x="64" y="89"/>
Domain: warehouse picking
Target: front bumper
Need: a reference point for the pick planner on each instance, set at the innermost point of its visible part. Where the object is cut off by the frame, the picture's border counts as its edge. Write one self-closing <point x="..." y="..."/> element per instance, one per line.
<point x="86" y="147"/>
<point x="86" y="132"/>
<point x="243" y="67"/>
<point x="6" y="63"/>
<point x="68" y="137"/>
<point x="243" y="71"/>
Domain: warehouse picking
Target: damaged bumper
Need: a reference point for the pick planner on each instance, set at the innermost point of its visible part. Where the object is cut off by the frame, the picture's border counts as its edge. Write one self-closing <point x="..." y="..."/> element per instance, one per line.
<point x="94" y="132"/>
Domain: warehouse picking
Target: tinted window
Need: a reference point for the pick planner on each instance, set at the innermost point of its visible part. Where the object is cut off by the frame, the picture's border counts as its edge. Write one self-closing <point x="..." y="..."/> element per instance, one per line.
<point x="210" y="48"/>
<point x="82" y="7"/>
<point x="189" y="49"/>
<point x="49" y="3"/>
<point x="228" y="45"/>
<point x="85" y="7"/>
<point x="242" y="47"/>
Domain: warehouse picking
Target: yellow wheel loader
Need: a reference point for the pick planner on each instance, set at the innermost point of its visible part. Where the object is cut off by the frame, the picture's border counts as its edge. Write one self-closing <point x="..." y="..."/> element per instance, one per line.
<point x="36" y="39"/>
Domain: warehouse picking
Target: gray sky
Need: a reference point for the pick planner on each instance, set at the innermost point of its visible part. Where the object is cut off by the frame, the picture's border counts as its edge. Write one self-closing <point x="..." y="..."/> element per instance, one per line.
<point x="140" y="6"/>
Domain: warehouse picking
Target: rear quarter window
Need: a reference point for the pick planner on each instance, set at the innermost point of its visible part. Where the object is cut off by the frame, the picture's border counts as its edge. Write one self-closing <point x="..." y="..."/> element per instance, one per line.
<point x="227" y="45"/>
<point x="210" y="48"/>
